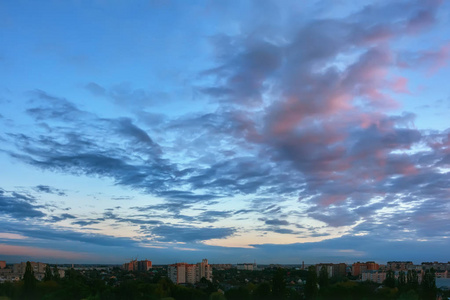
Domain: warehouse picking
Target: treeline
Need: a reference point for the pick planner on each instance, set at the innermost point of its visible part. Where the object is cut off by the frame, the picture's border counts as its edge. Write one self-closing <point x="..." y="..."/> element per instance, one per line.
<point x="405" y="287"/>
<point x="94" y="285"/>
<point x="270" y="284"/>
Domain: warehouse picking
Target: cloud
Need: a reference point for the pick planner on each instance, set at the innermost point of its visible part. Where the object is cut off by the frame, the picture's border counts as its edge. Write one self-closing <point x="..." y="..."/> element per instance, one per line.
<point x="124" y="95"/>
<point x="188" y="234"/>
<point x="95" y="89"/>
<point x="276" y="222"/>
<point x="83" y="223"/>
<point x="18" y="206"/>
<point x="300" y="122"/>
<point x="49" y="190"/>
<point x="62" y="217"/>
<point x="48" y="233"/>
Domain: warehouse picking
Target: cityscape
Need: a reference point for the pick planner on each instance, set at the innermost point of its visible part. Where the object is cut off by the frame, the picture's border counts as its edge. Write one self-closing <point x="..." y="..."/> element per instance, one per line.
<point x="202" y="280"/>
<point x="224" y="149"/>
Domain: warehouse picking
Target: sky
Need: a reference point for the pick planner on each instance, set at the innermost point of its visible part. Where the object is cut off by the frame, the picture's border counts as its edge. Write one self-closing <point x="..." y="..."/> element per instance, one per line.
<point x="237" y="131"/>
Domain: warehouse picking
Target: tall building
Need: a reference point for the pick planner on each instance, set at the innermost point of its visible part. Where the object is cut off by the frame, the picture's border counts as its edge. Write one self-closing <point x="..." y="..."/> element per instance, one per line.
<point x="360" y="267"/>
<point x="204" y="270"/>
<point x="38" y="269"/>
<point x="328" y="267"/>
<point x="135" y="265"/>
<point x="333" y="270"/>
<point x="144" y="265"/>
<point x="189" y="273"/>
<point x="177" y="272"/>
<point x="2" y="264"/>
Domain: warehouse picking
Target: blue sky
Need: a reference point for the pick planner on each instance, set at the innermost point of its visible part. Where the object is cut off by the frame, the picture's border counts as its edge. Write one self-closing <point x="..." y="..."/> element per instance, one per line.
<point x="272" y="131"/>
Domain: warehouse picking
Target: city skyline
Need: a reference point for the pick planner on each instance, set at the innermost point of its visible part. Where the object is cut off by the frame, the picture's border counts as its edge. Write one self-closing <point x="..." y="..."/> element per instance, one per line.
<point x="272" y="131"/>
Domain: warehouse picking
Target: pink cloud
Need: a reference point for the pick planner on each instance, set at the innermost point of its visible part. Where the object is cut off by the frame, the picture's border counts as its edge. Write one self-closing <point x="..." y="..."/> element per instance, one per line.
<point x="436" y="59"/>
<point x="327" y="200"/>
<point x="400" y="85"/>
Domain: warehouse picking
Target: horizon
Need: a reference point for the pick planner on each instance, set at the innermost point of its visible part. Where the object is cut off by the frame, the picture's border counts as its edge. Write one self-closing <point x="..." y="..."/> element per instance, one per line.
<point x="236" y="131"/>
<point x="233" y="264"/>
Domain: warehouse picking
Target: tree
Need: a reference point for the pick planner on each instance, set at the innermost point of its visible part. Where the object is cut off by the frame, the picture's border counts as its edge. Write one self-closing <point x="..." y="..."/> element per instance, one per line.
<point x="401" y="279"/>
<point x="56" y="276"/>
<point x="412" y="279"/>
<point x="240" y="293"/>
<point x="217" y="296"/>
<point x="29" y="281"/>
<point x="311" y="289"/>
<point x="410" y="295"/>
<point x="390" y="279"/>
<point x="429" y="284"/>
<point x="48" y="273"/>
<point x="279" y="285"/>
<point x="262" y="292"/>
<point x="323" y="277"/>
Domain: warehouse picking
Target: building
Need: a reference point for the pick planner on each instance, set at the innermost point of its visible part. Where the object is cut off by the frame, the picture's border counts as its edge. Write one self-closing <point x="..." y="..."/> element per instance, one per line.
<point x="328" y="267"/>
<point x="375" y="276"/>
<point x="380" y="276"/>
<point x="247" y="266"/>
<point x="177" y="272"/>
<point x="339" y="270"/>
<point x="437" y="266"/>
<point x="144" y="265"/>
<point x="130" y="266"/>
<point x="192" y="274"/>
<point x="18" y="270"/>
<point x="2" y="264"/>
<point x="399" y="265"/>
<point x="135" y="265"/>
<point x="333" y="270"/>
<point x="360" y="267"/>
<point x="8" y="275"/>
<point x="222" y="266"/>
<point x="204" y="270"/>
<point x="38" y="269"/>
<point x="181" y="273"/>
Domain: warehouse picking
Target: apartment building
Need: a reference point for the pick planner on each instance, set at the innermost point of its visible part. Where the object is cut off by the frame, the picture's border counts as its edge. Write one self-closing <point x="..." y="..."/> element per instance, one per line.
<point x="181" y="273"/>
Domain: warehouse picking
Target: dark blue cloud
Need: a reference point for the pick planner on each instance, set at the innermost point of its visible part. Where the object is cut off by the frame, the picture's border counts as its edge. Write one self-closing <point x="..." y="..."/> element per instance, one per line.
<point x="52" y="234"/>
<point x="49" y="190"/>
<point x="62" y="217"/>
<point x="275" y="222"/>
<point x="188" y="234"/>
<point x="19" y="206"/>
